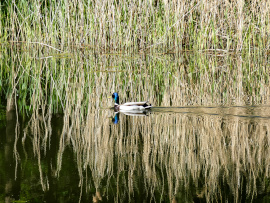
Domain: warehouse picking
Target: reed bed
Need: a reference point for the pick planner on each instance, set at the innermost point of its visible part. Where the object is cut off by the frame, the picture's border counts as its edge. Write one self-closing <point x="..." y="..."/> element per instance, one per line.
<point x="132" y="26"/>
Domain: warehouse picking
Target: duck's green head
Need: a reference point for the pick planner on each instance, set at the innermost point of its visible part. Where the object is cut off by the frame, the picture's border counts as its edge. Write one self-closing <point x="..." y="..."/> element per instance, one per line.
<point x="115" y="97"/>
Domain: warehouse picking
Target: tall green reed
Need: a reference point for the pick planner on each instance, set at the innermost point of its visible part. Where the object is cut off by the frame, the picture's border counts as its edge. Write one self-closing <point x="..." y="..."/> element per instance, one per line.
<point x="131" y="26"/>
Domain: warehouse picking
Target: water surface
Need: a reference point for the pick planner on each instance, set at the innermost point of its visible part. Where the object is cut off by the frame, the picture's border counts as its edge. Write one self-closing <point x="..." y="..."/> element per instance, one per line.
<point x="206" y="138"/>
<point x="181" y="154"/>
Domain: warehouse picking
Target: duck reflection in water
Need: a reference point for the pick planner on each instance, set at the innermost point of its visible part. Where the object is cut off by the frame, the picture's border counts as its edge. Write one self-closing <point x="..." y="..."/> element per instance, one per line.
<point x="115" y="119"/>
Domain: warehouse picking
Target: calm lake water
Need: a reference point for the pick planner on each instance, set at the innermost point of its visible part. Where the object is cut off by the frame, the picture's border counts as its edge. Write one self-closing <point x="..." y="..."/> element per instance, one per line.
<point x="190" y="154"/>
<point x="205" y="140"/>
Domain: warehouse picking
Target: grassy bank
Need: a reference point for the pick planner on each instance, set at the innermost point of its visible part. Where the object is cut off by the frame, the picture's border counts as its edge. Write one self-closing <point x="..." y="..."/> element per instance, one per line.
<point x="110" y="25"/>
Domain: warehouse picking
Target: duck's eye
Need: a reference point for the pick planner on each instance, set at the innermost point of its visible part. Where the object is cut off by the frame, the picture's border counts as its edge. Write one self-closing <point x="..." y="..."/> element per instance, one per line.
<point x="113" y="96"/>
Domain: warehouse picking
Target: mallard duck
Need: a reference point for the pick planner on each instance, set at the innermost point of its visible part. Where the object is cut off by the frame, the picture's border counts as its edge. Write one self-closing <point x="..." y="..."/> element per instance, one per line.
<point x="129" y="106"/>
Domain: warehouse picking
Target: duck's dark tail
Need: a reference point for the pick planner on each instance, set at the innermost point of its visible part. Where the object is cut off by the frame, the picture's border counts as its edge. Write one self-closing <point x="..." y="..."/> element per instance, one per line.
<point x="147" y="106"/>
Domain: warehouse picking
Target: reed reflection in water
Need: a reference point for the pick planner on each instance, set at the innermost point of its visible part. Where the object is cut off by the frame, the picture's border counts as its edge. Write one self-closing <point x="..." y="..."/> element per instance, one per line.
<point x="170" y="154"/>
<point x="69" y="148"/>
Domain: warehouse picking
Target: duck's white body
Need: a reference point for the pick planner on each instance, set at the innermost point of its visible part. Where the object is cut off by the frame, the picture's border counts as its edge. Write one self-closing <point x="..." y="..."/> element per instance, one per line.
<point x="130" y="106"/>
<point x="133" y="106"/>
